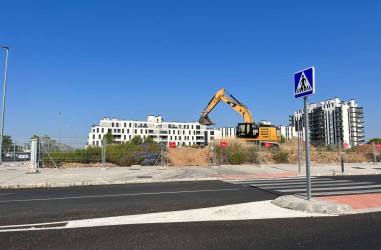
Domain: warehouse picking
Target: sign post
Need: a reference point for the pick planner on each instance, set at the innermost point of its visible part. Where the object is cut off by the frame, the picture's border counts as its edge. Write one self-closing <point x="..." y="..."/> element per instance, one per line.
<point x="304" y="85"/>
<point x="223" y="144"/>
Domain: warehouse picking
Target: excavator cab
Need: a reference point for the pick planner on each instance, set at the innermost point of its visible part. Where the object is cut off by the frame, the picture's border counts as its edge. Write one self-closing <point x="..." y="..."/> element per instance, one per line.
<point x="247" y="130"/>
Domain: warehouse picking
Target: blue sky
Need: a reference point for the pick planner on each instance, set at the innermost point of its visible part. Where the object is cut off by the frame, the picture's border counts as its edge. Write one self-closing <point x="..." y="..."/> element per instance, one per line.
<point x="129" y="59"/>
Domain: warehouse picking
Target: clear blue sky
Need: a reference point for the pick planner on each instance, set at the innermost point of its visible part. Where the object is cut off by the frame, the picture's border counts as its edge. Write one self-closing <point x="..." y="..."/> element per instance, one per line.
<point x="129" y="59"/>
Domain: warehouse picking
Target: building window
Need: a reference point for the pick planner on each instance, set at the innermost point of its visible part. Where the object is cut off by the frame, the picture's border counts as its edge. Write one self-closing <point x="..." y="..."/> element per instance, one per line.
<point x="112" y="124"/>
<point x="97" y="130"/>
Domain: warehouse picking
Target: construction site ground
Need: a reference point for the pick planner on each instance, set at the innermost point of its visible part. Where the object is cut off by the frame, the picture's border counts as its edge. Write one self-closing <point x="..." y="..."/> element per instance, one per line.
<point x="188" y="156"/>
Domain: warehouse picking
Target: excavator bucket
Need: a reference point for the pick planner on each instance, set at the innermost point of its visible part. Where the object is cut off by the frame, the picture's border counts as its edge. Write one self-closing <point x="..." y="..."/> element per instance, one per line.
<point x="204" y="120"/>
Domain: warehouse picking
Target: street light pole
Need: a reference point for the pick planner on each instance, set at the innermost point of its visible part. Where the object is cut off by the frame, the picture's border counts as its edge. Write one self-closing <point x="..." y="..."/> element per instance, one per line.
<point x="3" y="109"/>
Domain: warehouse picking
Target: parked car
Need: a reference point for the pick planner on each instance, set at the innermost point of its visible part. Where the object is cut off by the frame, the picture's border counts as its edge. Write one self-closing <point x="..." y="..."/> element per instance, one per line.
<point x="23" y="156"/>
<point x="10" y="155"/>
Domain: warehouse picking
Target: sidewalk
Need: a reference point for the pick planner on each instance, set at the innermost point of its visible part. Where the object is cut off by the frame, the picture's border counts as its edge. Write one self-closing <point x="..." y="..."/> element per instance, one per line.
<point x="19" y="175"/>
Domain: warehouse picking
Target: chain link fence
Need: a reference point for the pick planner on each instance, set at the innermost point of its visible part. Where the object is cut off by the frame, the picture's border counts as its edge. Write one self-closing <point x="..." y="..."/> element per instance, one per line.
<point x="63" y="153"/>
<point x="73" y="153"/>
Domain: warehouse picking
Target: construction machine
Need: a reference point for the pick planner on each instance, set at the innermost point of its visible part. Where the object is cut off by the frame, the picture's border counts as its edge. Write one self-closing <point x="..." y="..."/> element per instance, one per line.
<point x="248" y="130"/>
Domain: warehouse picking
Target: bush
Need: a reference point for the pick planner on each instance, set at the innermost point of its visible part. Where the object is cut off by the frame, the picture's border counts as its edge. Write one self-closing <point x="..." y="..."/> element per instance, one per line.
<point x="237" y="158"/>
<point x="125" y="154"/>
<point x="280" y="156"/>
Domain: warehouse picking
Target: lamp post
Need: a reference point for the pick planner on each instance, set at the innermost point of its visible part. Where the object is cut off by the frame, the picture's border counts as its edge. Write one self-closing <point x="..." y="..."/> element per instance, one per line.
<point x="3" y="109"/>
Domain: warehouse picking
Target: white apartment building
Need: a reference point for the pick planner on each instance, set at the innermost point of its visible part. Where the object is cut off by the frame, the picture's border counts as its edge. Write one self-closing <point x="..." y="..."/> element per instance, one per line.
<point x="183" y="133"/>
<point x="227" y="132"/>
<point x="331" y="122"/>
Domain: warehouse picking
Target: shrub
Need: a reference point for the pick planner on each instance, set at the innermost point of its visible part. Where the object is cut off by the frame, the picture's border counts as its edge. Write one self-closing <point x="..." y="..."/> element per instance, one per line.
<point x="236" y="158"/>
<point x="280" y="156"/>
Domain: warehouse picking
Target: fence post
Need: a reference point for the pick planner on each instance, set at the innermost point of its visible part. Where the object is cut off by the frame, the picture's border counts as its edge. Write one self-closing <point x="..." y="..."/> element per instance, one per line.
<point x="104" y="152"/>
<point x="260" y="153"/>
<point x="374" y="152"/>
<point x="34" y="154"/>
<point x="14" y="154"/>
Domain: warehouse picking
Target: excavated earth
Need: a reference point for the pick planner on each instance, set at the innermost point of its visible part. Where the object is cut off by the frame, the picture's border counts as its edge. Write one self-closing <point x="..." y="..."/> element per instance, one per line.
<point x="188" y="156"/>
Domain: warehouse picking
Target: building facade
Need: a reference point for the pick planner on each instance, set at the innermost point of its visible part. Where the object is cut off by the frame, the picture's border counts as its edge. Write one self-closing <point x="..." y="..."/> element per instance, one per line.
<point x="182" y="133"/>
<point x="331" y="123"/>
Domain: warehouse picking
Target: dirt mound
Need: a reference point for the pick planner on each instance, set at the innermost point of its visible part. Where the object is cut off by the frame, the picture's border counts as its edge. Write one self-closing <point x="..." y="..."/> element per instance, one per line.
<point x="187" y="156"/>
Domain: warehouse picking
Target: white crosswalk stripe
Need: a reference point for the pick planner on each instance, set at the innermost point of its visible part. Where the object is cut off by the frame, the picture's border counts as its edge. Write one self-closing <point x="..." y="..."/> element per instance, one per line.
<point x="320" y="186"/>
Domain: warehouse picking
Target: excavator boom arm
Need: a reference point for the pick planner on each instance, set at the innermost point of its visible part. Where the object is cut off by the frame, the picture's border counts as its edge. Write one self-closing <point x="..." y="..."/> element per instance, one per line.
<point x="231" y="101"/>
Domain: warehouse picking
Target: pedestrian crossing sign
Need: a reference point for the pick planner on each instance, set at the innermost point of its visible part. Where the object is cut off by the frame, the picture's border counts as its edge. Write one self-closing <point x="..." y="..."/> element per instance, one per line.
<point x="304" y="83"/>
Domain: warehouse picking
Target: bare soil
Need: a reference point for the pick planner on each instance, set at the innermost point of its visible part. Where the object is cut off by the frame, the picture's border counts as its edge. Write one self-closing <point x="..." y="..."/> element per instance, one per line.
<point x="188" y="156"/>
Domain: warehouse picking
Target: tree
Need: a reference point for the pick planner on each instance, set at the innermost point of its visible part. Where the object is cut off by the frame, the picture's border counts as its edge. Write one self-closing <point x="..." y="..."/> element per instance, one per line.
<point x="375" y="140"/>
<point x="148" y="140"/>
<point x="137" y="140"/>
<point x="109" y="138"/>
<point x="7" y="142"/>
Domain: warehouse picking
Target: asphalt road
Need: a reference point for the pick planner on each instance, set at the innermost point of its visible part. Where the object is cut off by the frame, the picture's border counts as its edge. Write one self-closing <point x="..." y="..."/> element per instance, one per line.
<point x="23" y="206"/>
<point x="344" y="232"/>
<point x="320" y="186"/>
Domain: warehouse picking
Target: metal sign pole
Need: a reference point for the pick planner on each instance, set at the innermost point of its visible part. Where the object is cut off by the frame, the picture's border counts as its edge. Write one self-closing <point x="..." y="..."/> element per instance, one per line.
<point x="307" y="141"/>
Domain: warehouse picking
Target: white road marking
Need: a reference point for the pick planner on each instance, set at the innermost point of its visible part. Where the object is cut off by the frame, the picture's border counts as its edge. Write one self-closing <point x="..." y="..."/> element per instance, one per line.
<point x="118" y="195"/>
<point x="296" y="183"/>
<point x="333" y="188"/>
<point x="244" y="211"/>
<point x="313" y="185"/>
<point x="7" y="193"/>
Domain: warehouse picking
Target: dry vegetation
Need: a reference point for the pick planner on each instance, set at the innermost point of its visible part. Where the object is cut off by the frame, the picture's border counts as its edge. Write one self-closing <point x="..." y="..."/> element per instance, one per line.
<point x="188" y="156"/>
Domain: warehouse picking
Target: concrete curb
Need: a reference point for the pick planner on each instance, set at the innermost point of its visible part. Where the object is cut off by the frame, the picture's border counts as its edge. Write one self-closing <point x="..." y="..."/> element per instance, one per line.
<point x="312" y="206"/>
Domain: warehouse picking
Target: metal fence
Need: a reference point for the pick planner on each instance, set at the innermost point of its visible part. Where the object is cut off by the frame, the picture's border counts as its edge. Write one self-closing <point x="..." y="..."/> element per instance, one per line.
<point x="73" y="152"/>
<point x="63" y="154"/>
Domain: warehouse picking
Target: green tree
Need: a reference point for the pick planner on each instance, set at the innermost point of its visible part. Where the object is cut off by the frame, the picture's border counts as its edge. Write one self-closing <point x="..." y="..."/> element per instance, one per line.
<point x="375" y="140"/>
<point x="109" y="138"/>
<point x="7" y="143"/>
<point x="137" y="140"/>
<point x="148" y="140"/>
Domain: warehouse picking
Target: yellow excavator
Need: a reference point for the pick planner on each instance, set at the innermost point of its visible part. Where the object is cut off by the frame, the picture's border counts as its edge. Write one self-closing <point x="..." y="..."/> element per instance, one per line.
<point x="248" y="130"/>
